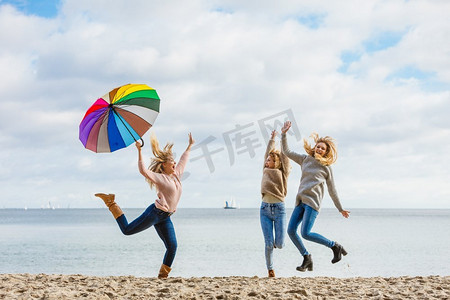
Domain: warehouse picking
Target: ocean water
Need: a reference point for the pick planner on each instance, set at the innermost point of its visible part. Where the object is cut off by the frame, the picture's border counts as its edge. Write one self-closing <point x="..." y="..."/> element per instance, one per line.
<point x="218" y="242"/>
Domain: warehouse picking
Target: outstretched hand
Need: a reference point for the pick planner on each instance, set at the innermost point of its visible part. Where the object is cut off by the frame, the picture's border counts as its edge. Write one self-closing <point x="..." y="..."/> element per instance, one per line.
<point x="273" y="134"/>
<point x="286" y="126"/>
<point x="345" y="213"/>
<point x="191" y="140"/>
<point x="138" y="145"/>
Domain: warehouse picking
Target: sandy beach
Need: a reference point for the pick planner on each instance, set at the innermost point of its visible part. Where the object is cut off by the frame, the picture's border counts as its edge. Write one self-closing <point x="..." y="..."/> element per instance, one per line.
<point x="42" y="286"/>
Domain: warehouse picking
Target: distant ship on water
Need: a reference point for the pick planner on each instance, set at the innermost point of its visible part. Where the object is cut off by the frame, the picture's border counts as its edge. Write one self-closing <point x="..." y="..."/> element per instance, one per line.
<point x="231" y="204"/>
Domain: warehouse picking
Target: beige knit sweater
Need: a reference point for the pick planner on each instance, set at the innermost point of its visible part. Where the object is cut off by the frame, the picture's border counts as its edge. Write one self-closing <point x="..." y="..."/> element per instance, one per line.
<point x="274" y="181"/>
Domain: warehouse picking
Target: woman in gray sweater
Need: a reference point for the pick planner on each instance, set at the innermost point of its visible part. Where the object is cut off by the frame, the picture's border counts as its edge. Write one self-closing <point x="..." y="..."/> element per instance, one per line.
<point x="316" y="171"/>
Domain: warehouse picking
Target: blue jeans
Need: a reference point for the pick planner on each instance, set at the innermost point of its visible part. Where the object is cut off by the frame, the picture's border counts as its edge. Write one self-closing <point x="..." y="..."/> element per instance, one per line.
<point x="153" y="216"/>
<point x="307" y="216"/>
<point x="272" y="216"/>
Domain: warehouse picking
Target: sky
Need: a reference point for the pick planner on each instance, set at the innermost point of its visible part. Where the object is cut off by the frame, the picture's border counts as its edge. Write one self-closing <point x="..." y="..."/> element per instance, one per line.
<point x="374" y="75"/>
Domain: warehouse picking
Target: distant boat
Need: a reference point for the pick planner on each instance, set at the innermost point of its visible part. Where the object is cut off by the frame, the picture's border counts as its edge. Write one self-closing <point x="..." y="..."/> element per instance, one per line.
<point x="230" y="204"/>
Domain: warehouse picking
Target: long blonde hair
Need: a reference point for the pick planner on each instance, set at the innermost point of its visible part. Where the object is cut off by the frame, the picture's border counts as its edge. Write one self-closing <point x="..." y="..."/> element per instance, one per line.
<point x="161" y="156"/>
<point x="330" y="156"/>
<point x="275" y="154"/>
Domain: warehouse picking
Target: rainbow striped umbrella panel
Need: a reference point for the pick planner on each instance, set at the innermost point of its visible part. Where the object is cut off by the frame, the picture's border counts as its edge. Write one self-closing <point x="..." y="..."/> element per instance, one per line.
<point x="119" y="118"/>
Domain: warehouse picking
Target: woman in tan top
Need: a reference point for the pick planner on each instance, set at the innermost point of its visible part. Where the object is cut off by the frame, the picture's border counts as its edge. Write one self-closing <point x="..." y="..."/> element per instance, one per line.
<point x="165" y="175"/>
<point x="273" y="190"/>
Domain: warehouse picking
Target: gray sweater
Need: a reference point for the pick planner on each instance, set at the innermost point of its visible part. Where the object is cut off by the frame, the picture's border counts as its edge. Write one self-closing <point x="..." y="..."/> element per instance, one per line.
<point x="314" y="177"/>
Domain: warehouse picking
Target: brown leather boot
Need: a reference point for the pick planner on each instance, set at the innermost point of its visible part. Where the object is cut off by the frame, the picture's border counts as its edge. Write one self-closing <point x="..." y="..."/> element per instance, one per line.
<point x="271" y="273"/>
<point x="107" y="198"/>
<point x="164" y="271"/>
<point x="111" y="204"/>
<point x="115" y="210"/>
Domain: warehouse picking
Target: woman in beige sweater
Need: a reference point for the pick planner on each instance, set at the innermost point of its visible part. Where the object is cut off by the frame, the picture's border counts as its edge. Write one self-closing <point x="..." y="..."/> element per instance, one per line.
<point x="273" y="190"/>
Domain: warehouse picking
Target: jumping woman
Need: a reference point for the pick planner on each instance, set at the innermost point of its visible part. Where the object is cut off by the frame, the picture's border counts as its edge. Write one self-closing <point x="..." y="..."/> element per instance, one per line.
<point x="273" y="190"/>
<point x="164" y="174"/>
<point x="316" y="172"/>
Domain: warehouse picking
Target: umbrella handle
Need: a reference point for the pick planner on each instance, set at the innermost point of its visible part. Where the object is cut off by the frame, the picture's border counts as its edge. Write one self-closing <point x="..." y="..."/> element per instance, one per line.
<point x="142" y="143"/>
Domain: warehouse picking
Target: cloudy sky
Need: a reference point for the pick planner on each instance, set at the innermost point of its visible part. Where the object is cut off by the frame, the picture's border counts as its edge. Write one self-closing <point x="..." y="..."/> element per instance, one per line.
<point x="374" y="75"/>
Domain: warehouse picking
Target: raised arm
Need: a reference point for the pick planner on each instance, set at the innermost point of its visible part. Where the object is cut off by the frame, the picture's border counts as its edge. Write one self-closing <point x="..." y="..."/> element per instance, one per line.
<point x="184" y="157"/>
<point x="298" y="158"/>
<point x="142" y="169"/>
<point x="270" y="146"/>
<point x="285" y="163"/>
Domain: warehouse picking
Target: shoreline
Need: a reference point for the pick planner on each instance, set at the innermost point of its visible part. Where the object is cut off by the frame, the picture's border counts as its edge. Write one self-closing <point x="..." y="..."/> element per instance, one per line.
<point x="57" y="286"/>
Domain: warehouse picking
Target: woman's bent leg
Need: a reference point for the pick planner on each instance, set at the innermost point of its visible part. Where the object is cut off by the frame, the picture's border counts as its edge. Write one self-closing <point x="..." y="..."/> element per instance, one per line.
<point x="144" y="221"/>
<point x="280" y="225"/>
<point x="294" y="222"/>
<point x="308" y="222"/>
<point x="267" y="229"/>
<point x="166" y="232"/>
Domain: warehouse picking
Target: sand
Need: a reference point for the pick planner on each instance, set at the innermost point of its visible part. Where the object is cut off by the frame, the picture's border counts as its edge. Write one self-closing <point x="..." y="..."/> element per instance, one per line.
<point x="42" y="286"/>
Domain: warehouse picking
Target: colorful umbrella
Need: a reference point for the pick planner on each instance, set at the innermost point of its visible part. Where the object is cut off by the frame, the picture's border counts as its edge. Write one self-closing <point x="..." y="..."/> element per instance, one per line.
<point x="119" y="118"/>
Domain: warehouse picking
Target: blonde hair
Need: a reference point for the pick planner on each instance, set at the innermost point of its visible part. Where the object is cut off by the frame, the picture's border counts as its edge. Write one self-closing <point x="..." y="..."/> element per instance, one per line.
<point x="161" y="156"/>
<point x="275" y="154"/>
<point x="330" y="156"/>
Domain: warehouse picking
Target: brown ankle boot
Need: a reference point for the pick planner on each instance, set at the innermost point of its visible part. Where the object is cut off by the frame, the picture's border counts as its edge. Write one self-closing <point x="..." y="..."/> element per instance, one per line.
<point x="164" y="271"/>
<point x="115" y="210"/>
<point x="107" y="198"/>
<point x="111" y="204"/>
<point x="271" y="273"/>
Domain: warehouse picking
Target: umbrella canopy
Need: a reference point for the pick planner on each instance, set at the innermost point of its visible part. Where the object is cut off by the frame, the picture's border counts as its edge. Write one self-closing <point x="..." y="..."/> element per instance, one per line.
<point x="119" y="118"/>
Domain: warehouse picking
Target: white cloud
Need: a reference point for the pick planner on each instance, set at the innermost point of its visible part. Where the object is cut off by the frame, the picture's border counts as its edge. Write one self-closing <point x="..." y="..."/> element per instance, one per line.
<point x="218" y="64"/>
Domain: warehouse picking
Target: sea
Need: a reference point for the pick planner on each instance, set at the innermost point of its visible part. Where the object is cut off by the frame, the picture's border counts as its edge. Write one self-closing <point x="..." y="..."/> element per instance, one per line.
<point x="218" y="242"/>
